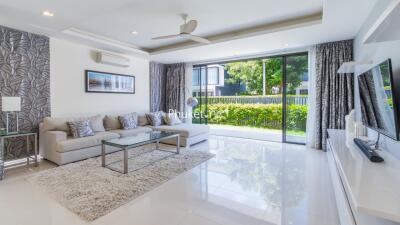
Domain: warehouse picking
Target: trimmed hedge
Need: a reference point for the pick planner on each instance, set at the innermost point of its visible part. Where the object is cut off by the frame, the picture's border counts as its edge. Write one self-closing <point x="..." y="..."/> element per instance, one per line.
<point x="257" y="115"/>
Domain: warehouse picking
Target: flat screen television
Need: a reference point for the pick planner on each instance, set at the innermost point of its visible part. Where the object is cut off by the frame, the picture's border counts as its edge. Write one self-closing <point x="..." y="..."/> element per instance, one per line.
<point x="379" y="94"/>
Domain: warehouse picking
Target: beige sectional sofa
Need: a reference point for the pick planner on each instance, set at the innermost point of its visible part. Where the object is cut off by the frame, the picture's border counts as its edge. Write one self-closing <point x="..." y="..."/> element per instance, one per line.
<point x="59" y="147"/>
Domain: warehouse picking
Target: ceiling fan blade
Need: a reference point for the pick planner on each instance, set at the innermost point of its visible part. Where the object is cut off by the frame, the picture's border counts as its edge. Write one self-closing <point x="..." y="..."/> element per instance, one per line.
<point x="165" y="37"/>
<point x="199" y="39"/>
<point x="189" y="27"/>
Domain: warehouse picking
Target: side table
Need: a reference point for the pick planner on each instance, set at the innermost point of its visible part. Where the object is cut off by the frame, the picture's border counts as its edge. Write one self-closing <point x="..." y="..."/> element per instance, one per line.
<point x="3" y="137"/>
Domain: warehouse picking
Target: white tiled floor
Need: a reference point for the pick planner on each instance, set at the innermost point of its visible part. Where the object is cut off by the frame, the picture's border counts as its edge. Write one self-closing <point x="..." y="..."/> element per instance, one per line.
<point x="248" y="182"/>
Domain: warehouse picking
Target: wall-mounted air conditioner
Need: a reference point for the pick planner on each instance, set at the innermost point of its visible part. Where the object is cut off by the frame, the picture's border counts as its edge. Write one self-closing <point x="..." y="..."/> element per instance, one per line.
<point x="111" y="59"/>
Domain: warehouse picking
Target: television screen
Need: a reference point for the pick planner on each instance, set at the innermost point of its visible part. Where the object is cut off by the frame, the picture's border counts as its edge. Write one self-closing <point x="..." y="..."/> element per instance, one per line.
<point x="378" y="110"/>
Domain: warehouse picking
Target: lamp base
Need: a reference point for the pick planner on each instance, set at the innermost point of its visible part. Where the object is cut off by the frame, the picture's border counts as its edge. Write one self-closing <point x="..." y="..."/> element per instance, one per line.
<point x="7" y="124"/>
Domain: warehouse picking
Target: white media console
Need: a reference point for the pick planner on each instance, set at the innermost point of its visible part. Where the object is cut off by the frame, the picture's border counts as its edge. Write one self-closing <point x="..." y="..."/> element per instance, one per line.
<point x="366" y="193"/>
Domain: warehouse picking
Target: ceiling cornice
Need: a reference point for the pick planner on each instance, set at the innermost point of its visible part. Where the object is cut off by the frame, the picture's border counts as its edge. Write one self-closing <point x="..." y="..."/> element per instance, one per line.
<point x="104" y="40"/>
<point x="308" y="20"/>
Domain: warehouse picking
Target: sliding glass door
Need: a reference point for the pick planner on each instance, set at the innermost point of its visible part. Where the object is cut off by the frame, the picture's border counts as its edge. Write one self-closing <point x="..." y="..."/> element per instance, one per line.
<point x="263" y="98"/>
<point x="295" y="98"/>
<point x="200" y="91"/>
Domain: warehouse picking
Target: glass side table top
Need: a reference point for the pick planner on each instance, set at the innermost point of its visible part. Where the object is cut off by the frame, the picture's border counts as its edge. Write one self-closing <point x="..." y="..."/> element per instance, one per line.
<point x="140" y="138"/>
<point x="4" y="134"/>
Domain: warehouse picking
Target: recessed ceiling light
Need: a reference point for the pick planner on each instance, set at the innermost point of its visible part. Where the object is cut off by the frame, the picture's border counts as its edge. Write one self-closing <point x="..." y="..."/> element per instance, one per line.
<point x="47" y="13"/>
<point x="134" y="32"/>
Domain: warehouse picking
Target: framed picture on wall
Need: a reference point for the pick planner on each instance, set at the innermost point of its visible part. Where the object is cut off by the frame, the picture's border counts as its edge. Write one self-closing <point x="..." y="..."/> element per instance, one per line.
<point x="102" y="82"/>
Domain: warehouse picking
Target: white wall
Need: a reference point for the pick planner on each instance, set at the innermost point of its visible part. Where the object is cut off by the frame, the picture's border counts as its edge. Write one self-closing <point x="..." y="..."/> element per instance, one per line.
<point x="68" y="62"/>
<point x="378" y="52"/>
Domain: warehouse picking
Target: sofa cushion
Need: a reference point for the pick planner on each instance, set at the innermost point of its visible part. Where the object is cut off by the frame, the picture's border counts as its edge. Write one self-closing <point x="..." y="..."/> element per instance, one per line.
<point x="184" y="129"/>
<point x="131" y="132"/>
<point x="142" y="120"/>
<point x="112" y="123"/>
<point x="155" y="118"/>
<point x="80" y="128"/>
<point x="72" y="144"/>
<point x="128" y="121"/>
<point x="97" y="123"/>
<point x="172" y="119"/>
<point x="52" y="123"/>
<point x="60" y="123"/>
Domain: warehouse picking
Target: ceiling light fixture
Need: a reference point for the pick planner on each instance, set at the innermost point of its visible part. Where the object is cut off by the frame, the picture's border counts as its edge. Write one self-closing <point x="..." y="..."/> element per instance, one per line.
<point x="134" y="32"/>
<point x="47" y="13"/>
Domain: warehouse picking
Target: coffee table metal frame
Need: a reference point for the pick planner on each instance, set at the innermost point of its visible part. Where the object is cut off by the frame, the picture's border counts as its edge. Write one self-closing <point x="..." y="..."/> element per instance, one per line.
<point x="126" y="148"/>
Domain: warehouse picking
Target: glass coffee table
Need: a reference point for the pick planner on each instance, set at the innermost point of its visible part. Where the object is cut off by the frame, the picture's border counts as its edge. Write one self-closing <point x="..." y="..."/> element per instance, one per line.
<point x="126" y="144"/>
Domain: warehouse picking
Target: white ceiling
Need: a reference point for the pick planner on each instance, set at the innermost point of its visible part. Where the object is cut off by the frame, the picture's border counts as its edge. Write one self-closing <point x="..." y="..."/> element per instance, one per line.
<point x="107" y="24"/>
<point x="342" y="19"/>
<point x="161" y="17"/>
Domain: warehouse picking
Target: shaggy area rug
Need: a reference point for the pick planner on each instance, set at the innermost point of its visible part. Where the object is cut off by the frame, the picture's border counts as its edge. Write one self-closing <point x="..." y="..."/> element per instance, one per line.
<point x="92" y="191"/>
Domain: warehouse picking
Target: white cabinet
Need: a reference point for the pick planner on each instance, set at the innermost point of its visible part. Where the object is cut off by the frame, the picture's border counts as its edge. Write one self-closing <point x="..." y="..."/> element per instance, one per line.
<point x="366" y="193"/>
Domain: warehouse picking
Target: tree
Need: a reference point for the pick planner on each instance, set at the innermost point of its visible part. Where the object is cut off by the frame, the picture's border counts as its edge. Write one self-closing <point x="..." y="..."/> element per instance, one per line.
<point x="251" y="73"/>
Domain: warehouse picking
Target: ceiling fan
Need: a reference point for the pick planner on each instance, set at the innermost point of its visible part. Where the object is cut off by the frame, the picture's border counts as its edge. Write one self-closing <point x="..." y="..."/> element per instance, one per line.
<point x="185" y="31"/>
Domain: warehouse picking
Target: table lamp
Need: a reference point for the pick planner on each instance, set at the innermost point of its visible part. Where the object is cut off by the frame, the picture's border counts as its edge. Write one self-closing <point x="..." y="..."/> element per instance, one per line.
<point x="10" y="105"/>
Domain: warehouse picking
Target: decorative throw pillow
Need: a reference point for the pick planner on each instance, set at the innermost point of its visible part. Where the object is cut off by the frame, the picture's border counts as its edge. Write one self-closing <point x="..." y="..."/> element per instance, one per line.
<point x="112" y="123"/>
<point x="142" y="120"/>
<point x="172" y="119"/>
<point x="80" y="128"/>
<point x="155" y="118"/>
<point x="96" y="122"/>
<point x="128" y="121"/>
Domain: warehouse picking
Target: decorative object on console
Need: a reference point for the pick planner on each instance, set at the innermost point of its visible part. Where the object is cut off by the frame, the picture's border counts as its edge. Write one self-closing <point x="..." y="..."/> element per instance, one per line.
<point x="359" y="129"/>
<point x="350" y="122"/>
<point x="102" y="82"/>
<point x="10" y="105"/>
<point x="128" y="121"/>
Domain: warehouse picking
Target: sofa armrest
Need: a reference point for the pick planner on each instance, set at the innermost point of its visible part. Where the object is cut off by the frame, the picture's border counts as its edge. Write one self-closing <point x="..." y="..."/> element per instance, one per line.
<point x="56" y="135"/>
<point x="49" y="141"/>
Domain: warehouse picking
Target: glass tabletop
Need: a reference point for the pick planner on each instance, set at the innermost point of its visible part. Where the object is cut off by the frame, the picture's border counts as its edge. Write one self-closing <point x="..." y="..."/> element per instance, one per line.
<point x="141" y="138"/>
<point x="4" y="134"/>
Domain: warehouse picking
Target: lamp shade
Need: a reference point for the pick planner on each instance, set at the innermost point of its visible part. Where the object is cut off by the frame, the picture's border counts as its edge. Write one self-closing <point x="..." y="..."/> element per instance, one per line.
<point x="11" y="104"/>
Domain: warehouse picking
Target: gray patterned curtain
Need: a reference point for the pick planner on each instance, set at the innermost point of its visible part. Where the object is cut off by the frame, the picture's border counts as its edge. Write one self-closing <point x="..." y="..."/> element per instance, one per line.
<point x="157" y="86"/>
<point x="334" y="92"/>
<point x="175" y="88"/>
